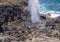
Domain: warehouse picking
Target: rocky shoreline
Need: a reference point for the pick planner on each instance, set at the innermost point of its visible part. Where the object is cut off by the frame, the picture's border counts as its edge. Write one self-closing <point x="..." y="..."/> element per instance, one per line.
<point x="16" y="26"/>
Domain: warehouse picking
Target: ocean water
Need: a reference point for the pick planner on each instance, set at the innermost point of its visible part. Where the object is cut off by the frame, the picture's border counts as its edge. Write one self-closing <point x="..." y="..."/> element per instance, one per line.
<point x="50" y="6"/>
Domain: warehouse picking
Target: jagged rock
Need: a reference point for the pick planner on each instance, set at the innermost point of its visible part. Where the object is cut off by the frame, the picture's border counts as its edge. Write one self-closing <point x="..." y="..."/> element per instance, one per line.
<point x="16" y="23"/>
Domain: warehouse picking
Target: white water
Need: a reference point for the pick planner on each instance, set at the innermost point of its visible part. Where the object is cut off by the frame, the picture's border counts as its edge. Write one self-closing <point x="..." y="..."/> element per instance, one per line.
<point x="34" y="10"/>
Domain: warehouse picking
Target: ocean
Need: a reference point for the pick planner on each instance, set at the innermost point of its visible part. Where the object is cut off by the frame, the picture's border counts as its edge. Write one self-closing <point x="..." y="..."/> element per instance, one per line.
<point x="50" y="6"/>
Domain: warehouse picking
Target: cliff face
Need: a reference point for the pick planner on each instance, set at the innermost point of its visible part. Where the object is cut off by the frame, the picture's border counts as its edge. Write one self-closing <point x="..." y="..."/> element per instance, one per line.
<point x="12" y="10"/>
<point x="8" y="2"/>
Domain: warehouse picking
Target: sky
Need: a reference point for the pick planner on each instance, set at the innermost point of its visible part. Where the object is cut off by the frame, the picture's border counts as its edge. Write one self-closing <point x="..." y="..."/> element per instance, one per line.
<point x="50" y="6"/>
